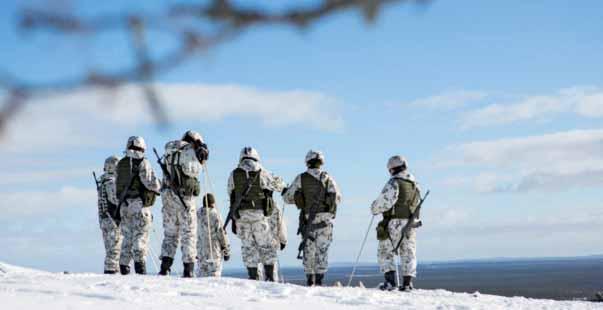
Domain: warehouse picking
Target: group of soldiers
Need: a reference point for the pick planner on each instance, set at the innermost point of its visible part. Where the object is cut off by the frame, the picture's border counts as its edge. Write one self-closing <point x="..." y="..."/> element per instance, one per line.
<point x="129" y="187"/>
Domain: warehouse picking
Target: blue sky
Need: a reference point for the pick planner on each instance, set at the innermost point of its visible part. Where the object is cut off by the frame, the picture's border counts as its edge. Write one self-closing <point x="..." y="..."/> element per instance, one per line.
<point x="496" y="105"/>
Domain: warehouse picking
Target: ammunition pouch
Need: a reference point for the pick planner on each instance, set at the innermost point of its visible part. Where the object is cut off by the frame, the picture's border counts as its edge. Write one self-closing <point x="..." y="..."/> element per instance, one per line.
<point x="383" y="229"/>
<point x="190" y="187"/>
<point x="148" y="197"/>
<point x="268" y="205"/>
<point x="300" y="201"/>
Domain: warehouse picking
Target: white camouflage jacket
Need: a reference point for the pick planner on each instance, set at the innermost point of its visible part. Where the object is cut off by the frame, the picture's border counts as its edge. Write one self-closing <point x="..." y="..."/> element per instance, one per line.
<point x="389" y="194"/>
<point x="289" y="196"/>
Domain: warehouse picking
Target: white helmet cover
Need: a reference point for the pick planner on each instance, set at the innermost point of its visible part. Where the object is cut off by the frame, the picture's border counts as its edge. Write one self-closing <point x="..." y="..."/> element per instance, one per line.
<point x="137" y="142"/>
<point x="250" y="153"/>
<point x="193" y="135"/>
<point x="396" y="161"/>
<point x="312" y="154"/>
<point x="111" y="164"/>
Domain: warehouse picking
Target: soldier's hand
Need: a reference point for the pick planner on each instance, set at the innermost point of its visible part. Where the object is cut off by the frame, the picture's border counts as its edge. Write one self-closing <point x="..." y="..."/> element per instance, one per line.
<point x="283" y="245"/>
<point x="226" y="258"/>
<point x="284" y="191"/>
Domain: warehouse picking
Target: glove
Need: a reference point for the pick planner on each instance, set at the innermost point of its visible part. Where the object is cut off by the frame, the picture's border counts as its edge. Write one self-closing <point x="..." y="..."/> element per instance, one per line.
<point x="233" y="227"/>
<point x="283" y="245"/>
<point x="226" y="258"/>
<point x="202" y="152"/>
<point x="284" y="191"/>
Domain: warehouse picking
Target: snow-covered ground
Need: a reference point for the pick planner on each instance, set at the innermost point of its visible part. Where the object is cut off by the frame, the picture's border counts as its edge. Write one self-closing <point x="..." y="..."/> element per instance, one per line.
<point x="22" y="288"/>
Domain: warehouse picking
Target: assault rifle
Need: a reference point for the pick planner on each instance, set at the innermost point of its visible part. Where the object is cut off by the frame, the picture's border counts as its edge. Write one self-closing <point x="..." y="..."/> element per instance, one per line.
<point x="169" y="177"/>
<point x="235" y="207"/>
<point x="96" y="181"/>
<point x="411" y="222"/>
<point x="308" y="226"/>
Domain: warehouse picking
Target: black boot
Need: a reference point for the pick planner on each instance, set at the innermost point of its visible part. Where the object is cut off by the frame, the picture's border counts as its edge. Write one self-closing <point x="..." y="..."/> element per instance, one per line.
<point x="310" y="279"/>
<point x="188" y="270"/>
<point x="124" y="269"/>
<point x="166" y="264"/>
<point x="269" y="273"/>
<point x="390" y="281"/>
<point x="318" y="279"/>
<point x="140" y="268"/>
<point x="253" y="273"/>
<point x="110" y="272"/>
<point x="406" y="284"/>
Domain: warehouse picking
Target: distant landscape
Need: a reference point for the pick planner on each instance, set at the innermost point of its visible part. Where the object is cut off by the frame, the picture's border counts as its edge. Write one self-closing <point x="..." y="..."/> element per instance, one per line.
<point x="551" y="278"/>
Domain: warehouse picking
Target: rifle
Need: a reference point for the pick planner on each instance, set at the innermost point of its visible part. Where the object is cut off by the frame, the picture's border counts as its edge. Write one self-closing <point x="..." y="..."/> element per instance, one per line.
<point x="96" y="181"/>
<point x="309" y="225"/>
<point x="235" y="207"/>
<point x="169" y="177"/>
<point x="410" y="224"/>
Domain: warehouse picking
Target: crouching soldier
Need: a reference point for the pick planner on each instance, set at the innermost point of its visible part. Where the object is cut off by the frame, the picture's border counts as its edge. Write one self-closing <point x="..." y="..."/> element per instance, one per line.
<point x="212" y="242"/>
<point x="137" y="187"/>
<point x="109" y="220"/>
<point x="317" y="196"/>
<point x="397" y="202"/>
<point x="252" y="186"/>
<point x="182" y="161"/>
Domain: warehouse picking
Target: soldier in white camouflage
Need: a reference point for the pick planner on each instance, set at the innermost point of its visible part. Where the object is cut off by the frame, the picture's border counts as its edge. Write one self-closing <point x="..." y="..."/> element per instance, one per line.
<point x="317" y="195"/>
<point x="250" y="222"/>
<point x="183" y="160"/>
<point x="137" y="186"/>
<point x="397" y="202"/>
<point x="213" y="246"/>
<point x="108" y="220"/>
<point x="278" y="227"/>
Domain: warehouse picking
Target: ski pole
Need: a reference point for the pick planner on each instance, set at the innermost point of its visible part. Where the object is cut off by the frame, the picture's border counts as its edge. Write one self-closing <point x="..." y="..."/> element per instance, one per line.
<point x="361" y="249"/>
<point x="152" y="252"/>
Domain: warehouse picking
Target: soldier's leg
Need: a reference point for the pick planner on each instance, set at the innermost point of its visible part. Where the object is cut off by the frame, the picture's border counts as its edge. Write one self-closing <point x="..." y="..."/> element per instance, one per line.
<point x="309" y="258"/>
<point x="249" y="250"/>
<point x="324" y="238"/>
<point x="188" y="232"/>
<point x="143" y="220"/>
<point x="387" y="264"/>
<point x="265" y="243"/>
<point x="112" y="240"/>
<point x="408" y="254"/>
<point x="127" y="243"/>
<point x="170" y="226"/>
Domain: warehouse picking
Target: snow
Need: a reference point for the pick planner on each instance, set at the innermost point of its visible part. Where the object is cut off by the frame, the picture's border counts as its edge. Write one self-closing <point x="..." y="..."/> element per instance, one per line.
<point x="22" y="288"/>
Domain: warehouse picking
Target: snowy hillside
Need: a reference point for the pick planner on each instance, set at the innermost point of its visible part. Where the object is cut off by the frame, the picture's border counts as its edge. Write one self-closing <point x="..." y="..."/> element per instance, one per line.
<point x="28" y="289"/>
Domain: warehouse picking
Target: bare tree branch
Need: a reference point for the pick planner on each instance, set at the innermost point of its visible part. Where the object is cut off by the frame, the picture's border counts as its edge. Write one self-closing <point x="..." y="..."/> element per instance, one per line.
<point x="225" y="21"/>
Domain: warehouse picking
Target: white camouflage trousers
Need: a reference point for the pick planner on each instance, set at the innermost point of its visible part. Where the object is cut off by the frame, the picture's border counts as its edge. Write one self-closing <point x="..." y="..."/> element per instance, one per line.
<point x="112" y="240"/>
<point x="316" y="253"/>
<point x="179" y="225"/>
<point x="136" y="222"/>
<point x="407" y="250"/>
<point x="257" y="242"/>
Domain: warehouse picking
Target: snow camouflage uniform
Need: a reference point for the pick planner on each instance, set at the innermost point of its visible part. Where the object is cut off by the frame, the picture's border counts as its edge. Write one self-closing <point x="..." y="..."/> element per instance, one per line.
<point x="107" y="201"/>
<point x="136" y="217"/>
<point x="180" y="222"/>
<point x="211" y="248"/>
<point x="251" y="222"/>
<point x="278" y="227"/>
<point x="316" y="252"/>
<point x="400" y="190"/>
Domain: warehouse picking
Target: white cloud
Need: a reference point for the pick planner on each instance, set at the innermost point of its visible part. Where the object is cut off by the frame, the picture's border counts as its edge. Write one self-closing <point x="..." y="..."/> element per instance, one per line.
<point x="581" y="101"/>
<point x="552" y="161"/>
<point x="450" y="100"/>
<point x="76" y="119"/>
<point x="36" y="203"/>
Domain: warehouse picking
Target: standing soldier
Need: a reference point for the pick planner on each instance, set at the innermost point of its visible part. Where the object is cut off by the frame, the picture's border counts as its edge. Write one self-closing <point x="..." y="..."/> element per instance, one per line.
<point x="251" y="184"/>
<point x="107" y="217"/>
<point x="316" y="194"/>
<point x="183" y="161"/>
<point x="397" y="202"/>
<point x="137" y="187"/>
<point x="212" y="242"/>
<point x="278" y="227"/>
